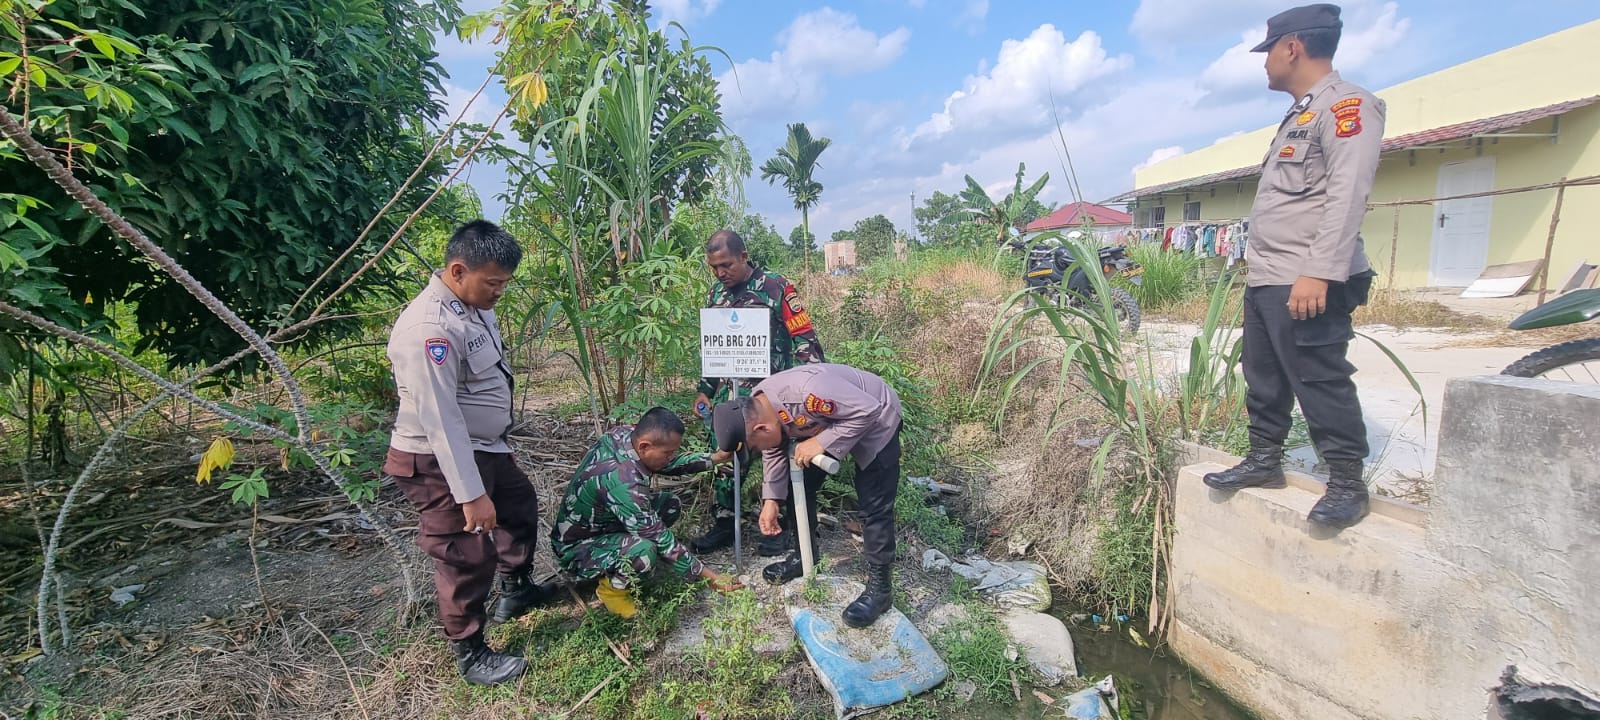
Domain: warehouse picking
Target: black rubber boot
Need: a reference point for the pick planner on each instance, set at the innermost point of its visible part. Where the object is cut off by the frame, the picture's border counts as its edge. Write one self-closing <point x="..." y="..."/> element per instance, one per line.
<point x="877" y="600"/>
<point x="719" y="537"/>
<point x="519" y="594"/>
<point x="1345" y="502"/>
<point x="481" y="666"/>
<point x="1262" y="468"/>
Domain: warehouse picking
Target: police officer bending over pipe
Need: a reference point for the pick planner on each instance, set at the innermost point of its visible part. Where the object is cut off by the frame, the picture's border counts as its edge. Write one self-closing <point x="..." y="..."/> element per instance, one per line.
<point x="832" y="409"/>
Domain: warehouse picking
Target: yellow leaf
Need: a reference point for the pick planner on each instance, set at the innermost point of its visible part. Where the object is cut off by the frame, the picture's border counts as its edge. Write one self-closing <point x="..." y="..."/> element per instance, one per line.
<point x="283" y="459"/>
<point x="217" y="457"/>
<point x="1137" y="638"/>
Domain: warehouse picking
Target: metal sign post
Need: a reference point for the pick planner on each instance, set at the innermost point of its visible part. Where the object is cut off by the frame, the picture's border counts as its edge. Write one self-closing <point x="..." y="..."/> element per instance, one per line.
<point x="736" y="343"/>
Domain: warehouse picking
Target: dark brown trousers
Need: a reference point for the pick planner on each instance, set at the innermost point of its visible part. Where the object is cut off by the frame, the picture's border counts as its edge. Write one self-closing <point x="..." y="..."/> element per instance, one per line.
<point x="464" y="563"/>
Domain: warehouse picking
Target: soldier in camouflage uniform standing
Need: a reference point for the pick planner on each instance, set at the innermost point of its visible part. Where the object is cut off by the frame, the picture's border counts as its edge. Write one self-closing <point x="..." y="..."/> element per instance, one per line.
<point x="743" y="284"/>
<point x="613" y="528"/>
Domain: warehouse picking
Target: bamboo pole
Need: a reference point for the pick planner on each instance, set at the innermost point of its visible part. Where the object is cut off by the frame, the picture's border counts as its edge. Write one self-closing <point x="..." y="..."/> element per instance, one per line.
<point x="1394" y="245"/>
<point x="1550" y="240"/>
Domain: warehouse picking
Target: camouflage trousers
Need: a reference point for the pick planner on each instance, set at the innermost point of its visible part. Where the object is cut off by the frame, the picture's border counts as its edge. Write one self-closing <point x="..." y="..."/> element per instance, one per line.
<point x="618" y="555"/>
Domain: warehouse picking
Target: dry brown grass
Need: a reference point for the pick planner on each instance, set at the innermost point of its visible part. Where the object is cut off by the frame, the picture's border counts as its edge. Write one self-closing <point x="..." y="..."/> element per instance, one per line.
<point x="969" y="280"/>
<point x="1399" y="309"/>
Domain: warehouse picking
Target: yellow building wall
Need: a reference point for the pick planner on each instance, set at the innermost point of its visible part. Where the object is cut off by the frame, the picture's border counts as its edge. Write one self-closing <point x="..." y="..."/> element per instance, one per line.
<point x="1555" y="68"/>
<point x="1519" y="223"/>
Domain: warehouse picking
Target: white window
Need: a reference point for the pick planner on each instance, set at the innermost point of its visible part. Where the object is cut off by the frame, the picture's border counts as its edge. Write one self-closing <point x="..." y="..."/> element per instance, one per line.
<point x="1191" y="211"/>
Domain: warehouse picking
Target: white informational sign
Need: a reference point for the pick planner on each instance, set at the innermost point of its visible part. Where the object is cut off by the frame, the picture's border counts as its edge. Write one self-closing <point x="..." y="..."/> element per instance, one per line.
<point x="735" y="342"/>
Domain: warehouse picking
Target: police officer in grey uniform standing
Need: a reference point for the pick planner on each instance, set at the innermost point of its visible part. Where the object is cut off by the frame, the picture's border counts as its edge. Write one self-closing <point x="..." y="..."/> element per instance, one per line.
<point x="1307" y="268"/>
<point x="476" y="509"/>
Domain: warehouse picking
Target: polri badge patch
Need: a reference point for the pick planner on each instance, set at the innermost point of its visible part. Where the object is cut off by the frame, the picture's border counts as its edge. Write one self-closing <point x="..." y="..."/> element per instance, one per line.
<point x="456" y="306"/>
<point x="785" y="418"/>
<point x="1349" y="127"/>
<point x="438" y="349"/>
<point x="1286" y="152"/>
<point x="818" y="406"/>
<point x="1305" y="117"/>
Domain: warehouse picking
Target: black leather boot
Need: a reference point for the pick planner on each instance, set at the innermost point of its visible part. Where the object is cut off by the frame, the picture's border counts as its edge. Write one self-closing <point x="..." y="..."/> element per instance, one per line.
<point x="878" y="598"/>
<point x="1345" y="502"/>
<point x="719" y="537"/>
<point x="1262" y="468"/>
<point x="481" y="666"/>
<point x="519" y="594"/>
<point x="776" y="545"/>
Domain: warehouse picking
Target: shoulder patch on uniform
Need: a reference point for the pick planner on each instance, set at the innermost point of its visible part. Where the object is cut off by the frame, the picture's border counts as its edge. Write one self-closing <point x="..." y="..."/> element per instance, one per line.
<point x="1305" y="117"/>
<point x="1286" y="152"/>
<point x="1349" y="126"/>
<point x="1345" y="105"/>
<point x="785" y="417"/>
<point x="818" y="406"/>
<point x="458" y="307"/>
<point x="438" y="349"/>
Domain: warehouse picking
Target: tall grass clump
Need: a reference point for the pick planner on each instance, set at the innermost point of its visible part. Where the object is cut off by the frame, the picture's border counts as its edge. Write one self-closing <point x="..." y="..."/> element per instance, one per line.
<point x="1170" y="279"/>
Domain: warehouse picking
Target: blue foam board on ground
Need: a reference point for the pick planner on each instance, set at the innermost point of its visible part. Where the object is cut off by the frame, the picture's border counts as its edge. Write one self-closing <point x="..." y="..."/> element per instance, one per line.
<point x="864" y="668"/>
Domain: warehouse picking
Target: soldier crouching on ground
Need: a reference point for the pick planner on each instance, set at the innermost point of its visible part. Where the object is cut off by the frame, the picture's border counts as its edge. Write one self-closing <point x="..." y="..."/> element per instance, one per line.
<point x="613" y="528"/>
<point x="833" y="409"/>
<point x="476" y="509"/>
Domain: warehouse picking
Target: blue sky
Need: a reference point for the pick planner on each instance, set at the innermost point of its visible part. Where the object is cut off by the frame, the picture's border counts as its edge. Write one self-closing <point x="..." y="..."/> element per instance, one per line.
<point x="917" y="93"/>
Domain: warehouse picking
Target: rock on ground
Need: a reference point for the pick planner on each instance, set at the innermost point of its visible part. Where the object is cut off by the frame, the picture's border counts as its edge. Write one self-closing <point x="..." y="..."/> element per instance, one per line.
<point x="1045" y="643"/>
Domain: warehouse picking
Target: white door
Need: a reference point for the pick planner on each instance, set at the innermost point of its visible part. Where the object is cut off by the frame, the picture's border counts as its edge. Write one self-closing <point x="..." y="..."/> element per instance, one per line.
<point x="1461" y="227"/>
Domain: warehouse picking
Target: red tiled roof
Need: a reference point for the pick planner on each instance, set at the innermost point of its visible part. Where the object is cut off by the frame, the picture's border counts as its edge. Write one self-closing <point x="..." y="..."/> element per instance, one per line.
<point x="1073" y="214"/>
<point x="1458" y="131"/>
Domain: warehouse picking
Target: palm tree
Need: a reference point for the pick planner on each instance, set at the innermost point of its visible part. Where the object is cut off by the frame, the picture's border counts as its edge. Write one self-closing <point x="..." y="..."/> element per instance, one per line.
<point x="1016" y="210"/>
<point x="794" y="163"/>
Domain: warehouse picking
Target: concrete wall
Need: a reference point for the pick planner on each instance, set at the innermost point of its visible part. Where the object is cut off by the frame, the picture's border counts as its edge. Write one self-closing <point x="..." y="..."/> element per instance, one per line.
<point x="1537" y="73"/>
<point x="1412" y="614"/>
<point x="1519" y="224"/>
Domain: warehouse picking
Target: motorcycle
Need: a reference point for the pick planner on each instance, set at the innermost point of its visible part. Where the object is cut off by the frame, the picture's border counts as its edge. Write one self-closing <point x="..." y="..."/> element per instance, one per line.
<point x="1046" y="268"/>
<point x="1575" y="361"/>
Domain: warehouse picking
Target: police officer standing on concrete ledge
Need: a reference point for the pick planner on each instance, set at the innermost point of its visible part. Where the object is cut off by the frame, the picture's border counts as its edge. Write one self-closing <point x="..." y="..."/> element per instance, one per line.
<point x="477" y="511"/>
<point x="1307" y="268"/>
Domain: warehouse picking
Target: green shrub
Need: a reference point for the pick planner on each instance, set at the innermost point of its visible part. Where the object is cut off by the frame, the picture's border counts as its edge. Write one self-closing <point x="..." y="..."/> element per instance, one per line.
<point x="1170" y="278"/>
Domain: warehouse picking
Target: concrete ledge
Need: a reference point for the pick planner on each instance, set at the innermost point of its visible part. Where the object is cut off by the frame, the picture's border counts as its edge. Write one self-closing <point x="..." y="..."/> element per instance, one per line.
<point x="1192" y="453"/>
<point x="1295" y="620"/>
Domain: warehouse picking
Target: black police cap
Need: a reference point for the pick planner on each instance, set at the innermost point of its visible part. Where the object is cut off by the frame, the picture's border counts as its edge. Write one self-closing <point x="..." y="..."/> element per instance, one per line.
<point x="727" y="424"/>
<point x="1321" y="16"/>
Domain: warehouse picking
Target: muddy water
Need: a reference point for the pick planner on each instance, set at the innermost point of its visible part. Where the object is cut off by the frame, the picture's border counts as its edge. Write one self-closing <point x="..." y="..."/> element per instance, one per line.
<point x="1159" y="686"/>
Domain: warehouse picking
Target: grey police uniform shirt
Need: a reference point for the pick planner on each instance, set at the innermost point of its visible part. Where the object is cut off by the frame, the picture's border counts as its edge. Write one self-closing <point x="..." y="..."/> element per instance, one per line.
<point x="849" y="411"/>
<point x="1306" y="218"/>
<point x="455" y="385"/>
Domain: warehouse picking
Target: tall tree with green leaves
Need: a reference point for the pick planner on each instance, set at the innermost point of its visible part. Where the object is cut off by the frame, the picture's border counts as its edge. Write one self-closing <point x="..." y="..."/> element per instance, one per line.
<point x="796" y="165"/>
<point x="938" y="219"/>
<point x="802" y="245"/>
<point x="252" y="140"/>
<point x="1018" y="208"/>
<point x="875" y="238"/>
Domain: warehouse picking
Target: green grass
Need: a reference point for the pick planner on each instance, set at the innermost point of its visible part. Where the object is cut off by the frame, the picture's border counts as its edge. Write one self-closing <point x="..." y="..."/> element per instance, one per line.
<point x="975" y="649"/>
<point x="1170" y="278"/>
<point x="729" y="678"/>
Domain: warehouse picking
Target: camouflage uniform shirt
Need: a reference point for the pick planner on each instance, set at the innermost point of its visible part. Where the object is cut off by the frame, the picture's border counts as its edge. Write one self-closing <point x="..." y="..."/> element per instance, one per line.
<point x="794" y="340"/>
<point x="609" y="515"/>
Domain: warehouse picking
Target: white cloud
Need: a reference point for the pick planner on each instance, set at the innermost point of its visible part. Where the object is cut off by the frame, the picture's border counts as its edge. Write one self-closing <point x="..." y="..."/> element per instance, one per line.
<point x="976" y="10"/>
<point x="873" y="117"/>
<point x="1017" y="92"/>
<point x="1358" y="50"/>
<point x="1169" y="22"/>
<point x="917" y="4"/>
<point x="682" y="11"/>
<point x="1159" y="155"/>
<point x="815" y="46"/>
<point x="456" y="98"/>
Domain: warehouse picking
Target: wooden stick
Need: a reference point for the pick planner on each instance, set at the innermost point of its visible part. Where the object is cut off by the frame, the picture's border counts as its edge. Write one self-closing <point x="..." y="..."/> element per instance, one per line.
<point x="355" y="693"/>
<point x="1394" y="246"/>
<point x="592" y="693"/>
<point x="1550" y="240"/>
